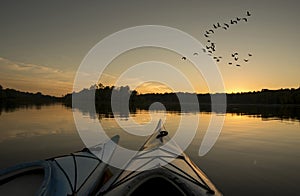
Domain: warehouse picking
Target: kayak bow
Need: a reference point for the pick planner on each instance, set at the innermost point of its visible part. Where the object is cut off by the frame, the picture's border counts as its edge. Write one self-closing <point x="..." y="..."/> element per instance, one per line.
<point x="160" y="167"/>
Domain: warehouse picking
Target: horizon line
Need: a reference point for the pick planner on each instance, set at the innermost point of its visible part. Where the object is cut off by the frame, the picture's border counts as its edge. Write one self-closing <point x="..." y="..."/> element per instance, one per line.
<point x="202" y="93"/>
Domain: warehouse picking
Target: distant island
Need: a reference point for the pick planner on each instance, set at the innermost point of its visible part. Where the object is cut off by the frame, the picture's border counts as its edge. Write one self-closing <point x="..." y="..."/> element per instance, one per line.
<point x="282" y="102"/>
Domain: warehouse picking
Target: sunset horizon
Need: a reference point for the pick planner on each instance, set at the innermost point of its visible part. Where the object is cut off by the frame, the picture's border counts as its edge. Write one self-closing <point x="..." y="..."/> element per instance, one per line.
<point x="149" y="97"/>
<point x="155" y="89"/>
<point x="44" y="55"/>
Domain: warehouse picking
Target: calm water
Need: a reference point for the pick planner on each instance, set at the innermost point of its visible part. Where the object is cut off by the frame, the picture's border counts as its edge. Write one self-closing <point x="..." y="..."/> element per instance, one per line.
<point x="252" y="156"/>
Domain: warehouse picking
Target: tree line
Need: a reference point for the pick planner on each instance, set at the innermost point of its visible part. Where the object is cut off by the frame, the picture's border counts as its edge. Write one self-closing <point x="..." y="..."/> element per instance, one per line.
<point x="122" y="97"/>
<point x="11" y="98"/>
<point x="281" y="103"/>
<point x="103" y="97"/>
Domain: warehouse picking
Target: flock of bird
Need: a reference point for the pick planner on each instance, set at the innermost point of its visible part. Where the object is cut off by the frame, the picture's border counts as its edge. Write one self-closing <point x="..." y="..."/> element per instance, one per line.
<point x="210" y="47"/>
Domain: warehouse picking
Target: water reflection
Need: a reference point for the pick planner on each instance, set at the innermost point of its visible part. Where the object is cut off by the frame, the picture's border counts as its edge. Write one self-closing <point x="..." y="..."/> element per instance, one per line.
<point x="255" y="155"/>
<point x="265" y="112"/>
<point x="12" y="107"/>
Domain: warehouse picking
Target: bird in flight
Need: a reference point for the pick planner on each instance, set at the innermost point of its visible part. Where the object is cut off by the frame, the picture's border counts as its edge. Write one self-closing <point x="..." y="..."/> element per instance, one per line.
<point x="195" y="53"/>
<point x="233" y="22"/>
<point x="227" y="25"/>
<point x="210" y="48"/>
<point x="234" y="54"/>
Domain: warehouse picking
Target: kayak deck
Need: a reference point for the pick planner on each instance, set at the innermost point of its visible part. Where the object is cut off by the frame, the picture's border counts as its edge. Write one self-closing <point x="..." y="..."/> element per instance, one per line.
<point x="159" y="168"/>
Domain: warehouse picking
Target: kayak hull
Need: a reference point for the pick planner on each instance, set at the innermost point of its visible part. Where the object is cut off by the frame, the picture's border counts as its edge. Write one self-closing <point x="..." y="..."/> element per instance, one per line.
<point x="79" y="173"/>
<point x="160" y="167"/>
<point x="159" y="181"/>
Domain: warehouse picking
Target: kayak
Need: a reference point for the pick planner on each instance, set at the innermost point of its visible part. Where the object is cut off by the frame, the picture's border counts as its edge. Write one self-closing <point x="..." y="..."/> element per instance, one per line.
<point x="160" y="167"/>
<point x="80" y="173"/>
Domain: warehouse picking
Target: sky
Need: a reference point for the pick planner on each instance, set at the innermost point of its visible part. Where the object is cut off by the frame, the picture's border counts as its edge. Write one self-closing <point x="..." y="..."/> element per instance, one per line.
<point x="42" y="43"/>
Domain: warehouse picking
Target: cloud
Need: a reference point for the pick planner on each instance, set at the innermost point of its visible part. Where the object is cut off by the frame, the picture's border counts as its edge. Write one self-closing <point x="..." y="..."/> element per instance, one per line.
<point x="33" y="77"/>
<point x="33" y="68"/>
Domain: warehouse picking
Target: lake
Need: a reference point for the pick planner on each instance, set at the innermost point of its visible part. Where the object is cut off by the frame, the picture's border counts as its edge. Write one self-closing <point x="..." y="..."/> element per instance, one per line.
<point x="252" y="156"/>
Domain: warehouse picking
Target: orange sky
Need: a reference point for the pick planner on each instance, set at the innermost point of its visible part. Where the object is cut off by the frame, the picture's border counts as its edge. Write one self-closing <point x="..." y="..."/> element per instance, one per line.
<point x="41" y="51"/>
